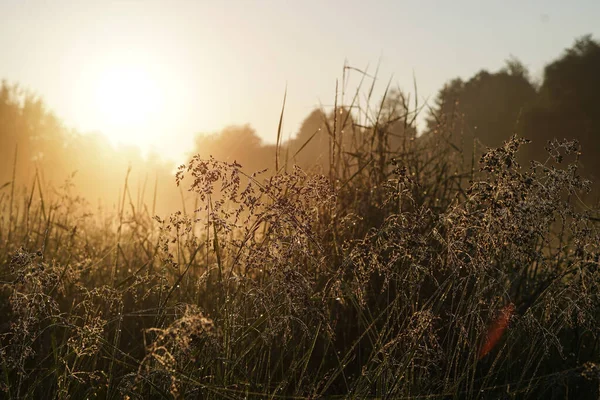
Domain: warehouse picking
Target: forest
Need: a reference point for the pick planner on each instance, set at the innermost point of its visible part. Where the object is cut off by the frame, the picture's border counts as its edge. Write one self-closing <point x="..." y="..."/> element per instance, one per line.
<point x="391" y="248"/>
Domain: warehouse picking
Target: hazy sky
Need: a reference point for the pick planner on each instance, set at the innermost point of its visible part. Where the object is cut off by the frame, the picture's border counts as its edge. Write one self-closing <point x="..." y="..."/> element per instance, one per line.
<point x="227" y="62"/>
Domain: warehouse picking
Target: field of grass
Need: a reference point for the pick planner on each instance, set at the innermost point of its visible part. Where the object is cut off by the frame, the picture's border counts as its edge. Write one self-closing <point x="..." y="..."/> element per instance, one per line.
<point x="404" y="271"/>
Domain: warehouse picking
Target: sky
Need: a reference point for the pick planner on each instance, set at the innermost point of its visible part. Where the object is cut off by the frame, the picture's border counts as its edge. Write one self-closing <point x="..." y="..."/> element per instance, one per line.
<point x="198" y="66"/>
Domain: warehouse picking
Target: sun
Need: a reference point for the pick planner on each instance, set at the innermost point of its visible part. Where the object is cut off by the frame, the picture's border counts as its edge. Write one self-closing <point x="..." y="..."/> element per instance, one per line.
<point x="128" y="101"/>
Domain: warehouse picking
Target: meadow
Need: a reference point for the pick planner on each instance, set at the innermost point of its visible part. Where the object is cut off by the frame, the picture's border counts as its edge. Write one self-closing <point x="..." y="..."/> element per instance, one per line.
<point x="368" y="256"/>
<point x="408" y="271"/>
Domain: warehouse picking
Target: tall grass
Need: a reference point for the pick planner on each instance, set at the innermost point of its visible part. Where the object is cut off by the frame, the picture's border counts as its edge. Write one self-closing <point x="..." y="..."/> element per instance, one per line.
<point x="400" y="272"/>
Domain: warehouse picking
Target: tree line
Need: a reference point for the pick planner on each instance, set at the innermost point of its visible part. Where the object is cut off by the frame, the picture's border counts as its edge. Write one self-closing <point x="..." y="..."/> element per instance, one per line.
<point x="470" y="115"/>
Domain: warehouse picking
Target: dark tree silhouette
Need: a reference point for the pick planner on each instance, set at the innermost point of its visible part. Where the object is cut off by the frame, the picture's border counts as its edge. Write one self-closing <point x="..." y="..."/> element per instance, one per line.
<point x="486" y="109"/>
<point x="568" y="104"/>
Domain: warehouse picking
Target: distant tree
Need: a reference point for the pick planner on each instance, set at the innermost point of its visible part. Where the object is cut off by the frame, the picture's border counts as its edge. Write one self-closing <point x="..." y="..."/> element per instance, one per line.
<point x="397" y="121"/>
<point x="568" y="105"/>
<point x="30" y="130"/>
<point x="12" y="131"/>
<point x="322" y="136"/>
<point x="310" y="145"/>
<point x="487" y="108"/>
<point x="236" y="143"/>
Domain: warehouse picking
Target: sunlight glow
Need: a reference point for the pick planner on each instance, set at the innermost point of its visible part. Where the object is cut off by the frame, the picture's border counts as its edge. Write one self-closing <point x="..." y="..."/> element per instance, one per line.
<point x="129" y="101"/>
